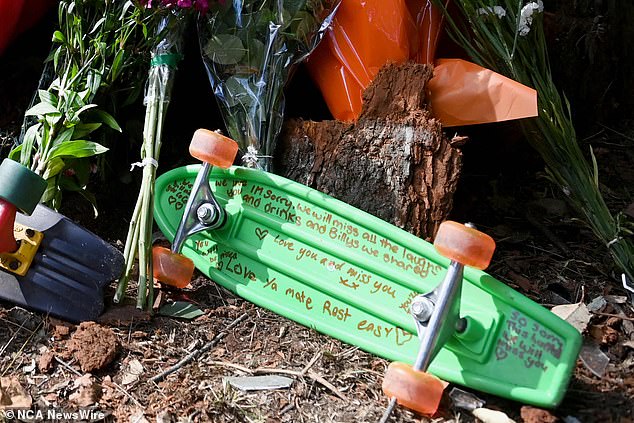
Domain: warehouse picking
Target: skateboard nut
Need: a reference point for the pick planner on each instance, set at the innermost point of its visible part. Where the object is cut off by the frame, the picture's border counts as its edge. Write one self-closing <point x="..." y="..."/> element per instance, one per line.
<point x="422" y="308"/>
<point x="14" y="265"/>
<point x="206" y="214"/>
<point x="30" y="233"/>
<point x="461" y="325"/>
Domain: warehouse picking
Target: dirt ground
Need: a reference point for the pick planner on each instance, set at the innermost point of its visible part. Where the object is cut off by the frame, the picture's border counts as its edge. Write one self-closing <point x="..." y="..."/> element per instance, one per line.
<point x="111" y="366"/>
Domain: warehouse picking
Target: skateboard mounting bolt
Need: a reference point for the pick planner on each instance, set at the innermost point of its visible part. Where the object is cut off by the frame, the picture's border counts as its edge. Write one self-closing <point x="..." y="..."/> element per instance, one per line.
<point x="422" y="308"/>
<point x="461" y="325"/>
<point x="14" y="265"/>
<point x="206" y="214"/>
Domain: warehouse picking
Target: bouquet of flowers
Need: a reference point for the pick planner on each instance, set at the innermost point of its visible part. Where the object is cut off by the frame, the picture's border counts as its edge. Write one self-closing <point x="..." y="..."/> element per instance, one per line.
<point x="248" y="48"/>
<point x="507" y="36"/>
<point x="96" y="48"/>
<point x="166" y="53"/>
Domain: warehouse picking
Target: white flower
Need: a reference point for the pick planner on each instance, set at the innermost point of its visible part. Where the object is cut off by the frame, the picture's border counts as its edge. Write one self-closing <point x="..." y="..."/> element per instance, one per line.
<point x="498" y="10"/>
<point x="526" y="16"/>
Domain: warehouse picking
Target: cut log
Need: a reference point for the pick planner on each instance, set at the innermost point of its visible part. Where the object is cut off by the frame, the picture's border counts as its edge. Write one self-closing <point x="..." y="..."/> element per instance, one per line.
<point x="394" y="162"/>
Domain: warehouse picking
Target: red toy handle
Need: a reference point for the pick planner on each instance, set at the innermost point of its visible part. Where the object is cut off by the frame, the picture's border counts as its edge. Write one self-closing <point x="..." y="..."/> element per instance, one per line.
<point x="7" y="222"/>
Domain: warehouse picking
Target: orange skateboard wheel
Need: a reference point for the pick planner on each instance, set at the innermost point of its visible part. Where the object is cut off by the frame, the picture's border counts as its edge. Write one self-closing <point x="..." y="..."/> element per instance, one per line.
<point x="172" y="268"/>
<point x="465" y="245"/>
<point x="211" y="147"/>
<point x="418" y="391"/>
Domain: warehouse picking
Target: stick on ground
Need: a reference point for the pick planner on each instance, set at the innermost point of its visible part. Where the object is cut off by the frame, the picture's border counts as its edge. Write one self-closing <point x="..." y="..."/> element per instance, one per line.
<point x="195" y="354"/>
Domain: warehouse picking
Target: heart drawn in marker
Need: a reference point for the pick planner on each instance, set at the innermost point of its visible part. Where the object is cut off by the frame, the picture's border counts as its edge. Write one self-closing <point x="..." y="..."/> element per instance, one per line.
<point x="261" y="233"/>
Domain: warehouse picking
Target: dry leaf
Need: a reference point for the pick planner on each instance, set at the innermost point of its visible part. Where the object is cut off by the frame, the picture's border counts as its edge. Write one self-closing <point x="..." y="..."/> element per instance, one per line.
<point x="88" y="392"/>
<point x="575" y="314"/>
<point x="13" y="395"/>
<point x="604" y="334"/>
<point x="132" y="372"/>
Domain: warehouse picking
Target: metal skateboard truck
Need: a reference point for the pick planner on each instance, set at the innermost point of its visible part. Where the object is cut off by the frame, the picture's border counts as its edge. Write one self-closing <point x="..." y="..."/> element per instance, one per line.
<point x="437" y="318"/>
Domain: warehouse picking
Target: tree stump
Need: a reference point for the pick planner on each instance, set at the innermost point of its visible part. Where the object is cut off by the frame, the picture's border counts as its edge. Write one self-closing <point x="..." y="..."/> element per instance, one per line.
<point x="394" y="162"/>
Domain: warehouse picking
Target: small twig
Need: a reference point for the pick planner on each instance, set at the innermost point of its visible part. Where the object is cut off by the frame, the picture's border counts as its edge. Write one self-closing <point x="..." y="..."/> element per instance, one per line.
<point x="311" y="363"/>
<point x="21" y="348"/>
<point x="67" y="366"/>
<point x="191" y="357"/>
<point x="15" y="334"/>
<point x="319" y="379"/>
<point x="286" y="409"/>
<point x="231" y="365"/>
<point x="312" y="375"/>
<point x="618" y="316"/>
<point x="20" y="326"/>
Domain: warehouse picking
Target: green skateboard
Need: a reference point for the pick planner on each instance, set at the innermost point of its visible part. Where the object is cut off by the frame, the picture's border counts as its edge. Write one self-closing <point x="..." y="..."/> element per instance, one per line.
<point x="347" y="274"/>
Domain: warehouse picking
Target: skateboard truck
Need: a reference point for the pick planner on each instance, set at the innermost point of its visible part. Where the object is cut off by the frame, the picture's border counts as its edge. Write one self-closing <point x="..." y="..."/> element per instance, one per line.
<point x="202" y="211"/>
<point x="47" y="262"/>
<point x="437" y="318"/>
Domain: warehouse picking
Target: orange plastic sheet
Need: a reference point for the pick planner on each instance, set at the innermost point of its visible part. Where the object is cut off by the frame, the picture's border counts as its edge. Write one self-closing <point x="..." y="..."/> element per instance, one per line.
<point x="463" y="93"/>
<point x="366" y="34"/>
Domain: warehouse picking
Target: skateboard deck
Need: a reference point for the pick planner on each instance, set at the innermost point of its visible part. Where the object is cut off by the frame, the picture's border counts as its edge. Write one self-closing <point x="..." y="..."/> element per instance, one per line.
<point x="69" y="271"/>
<point x="347" y="274"/>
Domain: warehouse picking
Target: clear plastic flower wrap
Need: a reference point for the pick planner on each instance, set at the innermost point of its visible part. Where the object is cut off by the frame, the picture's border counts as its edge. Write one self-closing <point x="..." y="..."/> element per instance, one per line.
<point x="166" y="54"/>
<point x="249" y="48"/>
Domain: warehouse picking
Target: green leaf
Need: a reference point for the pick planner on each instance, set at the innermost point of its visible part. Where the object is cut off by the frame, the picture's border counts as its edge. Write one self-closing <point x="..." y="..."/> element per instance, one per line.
<point x="181" y="309"/>
<point x="595" y="168"/>
<point x="91" y="199"/>
<point x="97" y="25"/>
<point x="58" y="37"/>
<point x="15" y="153"/>
<point x="48" y="97"/>
<point x="84" y="108"/>
<point x="306" y="25"/>
<point x="53" y="119"/>
<point x="27" y="144"/>
<point x="255" y="54"/>
<point x="239" y="91"/>
<point x="53" y="168"/>
<point x="83" y="129"/>
<point x="106" y="118"/>
<point x="51" y="190"/>
<point x="69" y="183"/>
<point x="78" y="148"/>
<point x="225" y="49"/>
<point x="116" y="69"/>
<point x="63" y="137"/>
<point x="294" y="6"/>
<point x="41" y="109"/>
<point x="58" y="52"/>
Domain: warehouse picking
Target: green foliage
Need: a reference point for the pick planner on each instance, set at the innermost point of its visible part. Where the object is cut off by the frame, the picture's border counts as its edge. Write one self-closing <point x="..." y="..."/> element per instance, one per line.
<point x="248" y="49"/>
<point x="506" y="45"/>
<point x="181" y="310"/>
<point x="166" y="52"/>
<point x="96" y="52"/>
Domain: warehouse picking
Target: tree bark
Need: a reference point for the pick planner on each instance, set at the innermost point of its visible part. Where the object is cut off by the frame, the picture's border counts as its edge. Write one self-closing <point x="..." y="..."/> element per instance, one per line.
<point x="394" y="162"/>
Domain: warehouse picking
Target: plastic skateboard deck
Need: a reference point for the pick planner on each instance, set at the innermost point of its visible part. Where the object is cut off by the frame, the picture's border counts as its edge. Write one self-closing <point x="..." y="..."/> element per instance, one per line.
<point x="69" y="271"/>
<point x="347" y="274"/>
